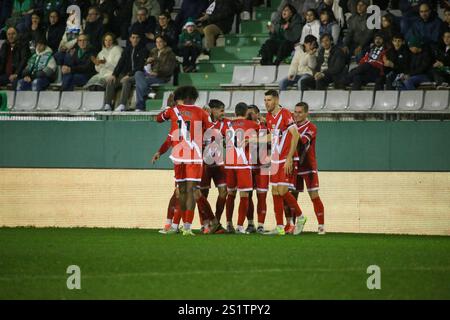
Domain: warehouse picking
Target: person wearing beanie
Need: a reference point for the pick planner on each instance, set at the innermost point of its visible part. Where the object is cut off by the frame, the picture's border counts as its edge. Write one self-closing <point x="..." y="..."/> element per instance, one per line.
<point x="190" y="45"/>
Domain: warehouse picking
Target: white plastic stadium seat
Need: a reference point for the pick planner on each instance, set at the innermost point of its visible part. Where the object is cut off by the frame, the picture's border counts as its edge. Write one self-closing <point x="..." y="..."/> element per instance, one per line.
<point x="337" y="100"/>
<point x="224" y="96"/>
<point x="263" y="75"/>
<point x="361" y="100"/>
<point x="282" y="72"/>
<point x="48" y="100"/>
<point x="93" y="100"/>
<point x="70" y="100"/>
<point x="164" y="100"/>
<point x="241" y="75"/>
<point x="25" y="100"/>
<point x="258" y="100"/>
<point x="240" y="96"/>
<point x="314" y="98"/>
<point x="411" y="100"/>
<point x="11" y="95"/>
<point x="290" y="98"/>
<point x="385" y="100"/>
<point x="436" y="100"/>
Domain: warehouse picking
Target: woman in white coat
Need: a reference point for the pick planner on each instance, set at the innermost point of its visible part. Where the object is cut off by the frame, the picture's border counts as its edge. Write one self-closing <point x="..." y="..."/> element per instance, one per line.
<point x="105" y="62"/>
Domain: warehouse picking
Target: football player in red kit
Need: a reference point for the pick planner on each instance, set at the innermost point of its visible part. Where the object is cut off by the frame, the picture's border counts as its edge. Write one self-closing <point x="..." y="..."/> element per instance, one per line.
<point x="238" y="164"/>
<point x="188" y="123"/>
<point x="284" y="140"/>
<point x="307" y="173"/>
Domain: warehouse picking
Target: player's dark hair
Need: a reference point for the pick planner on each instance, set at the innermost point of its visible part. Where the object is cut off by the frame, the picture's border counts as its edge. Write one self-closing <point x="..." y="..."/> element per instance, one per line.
<point x="241" y="109"/>
<point x="272" y="92"/>
<point x="189" y="93"/>
<point x="304" y="105"/>
<point x="216" y="104"/>
<point x="254" y="107"/>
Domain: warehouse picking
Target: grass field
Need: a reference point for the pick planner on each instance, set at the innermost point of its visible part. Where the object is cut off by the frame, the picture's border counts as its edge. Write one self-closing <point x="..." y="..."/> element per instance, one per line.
<point x="142" y="264"/>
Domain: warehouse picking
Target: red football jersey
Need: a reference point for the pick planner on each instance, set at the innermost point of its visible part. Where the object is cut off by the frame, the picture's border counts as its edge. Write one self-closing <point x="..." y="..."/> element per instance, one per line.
<point x="307" y="146"/>
<point x="188" y="124"/>
<point x="237" y="150"/>
<point x="279" y="126"/>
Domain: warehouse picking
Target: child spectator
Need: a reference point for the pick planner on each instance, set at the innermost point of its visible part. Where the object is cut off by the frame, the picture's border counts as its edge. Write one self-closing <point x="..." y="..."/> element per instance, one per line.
<point x="190" y="46"/>
<point x="312" y="25"/>
<point x="329" y="26"/>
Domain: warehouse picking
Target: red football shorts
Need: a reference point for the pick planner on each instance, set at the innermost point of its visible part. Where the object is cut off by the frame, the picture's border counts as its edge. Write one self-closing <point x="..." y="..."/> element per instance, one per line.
<point x="279" y="178"/>
<point x="216" y="173"/>
<point x="260" y="181"/>
<point x="188" y="172"/>
<point x="309" y="178"/>
<point x="239" y="179"/>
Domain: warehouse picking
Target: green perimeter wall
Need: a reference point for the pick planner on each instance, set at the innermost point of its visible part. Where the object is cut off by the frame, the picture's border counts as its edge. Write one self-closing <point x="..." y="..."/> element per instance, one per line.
<point x="341" y="146"/>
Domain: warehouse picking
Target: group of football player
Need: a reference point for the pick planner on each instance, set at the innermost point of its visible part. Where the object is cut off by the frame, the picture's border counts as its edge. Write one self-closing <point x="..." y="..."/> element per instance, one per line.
<point x="276" y="150"/>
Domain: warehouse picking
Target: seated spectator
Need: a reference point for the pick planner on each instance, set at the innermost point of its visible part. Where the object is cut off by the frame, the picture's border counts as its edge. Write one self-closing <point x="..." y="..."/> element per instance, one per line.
<point x="190" y="9"/>
<point x="397" y="61"/>
<point x="68" y="42"/>
<point x="78" y="67"/>
<point x="441" y="66"/>
<point x="160" y="68"/>
<point x="358" y="36"/>
<point x="447" y="19"/>
<point x="303" y="64"/>
<point x="13" y="58"/>
<point x="190" y="46"/>
<point x="312" y="25"/>
<point x="428" y="26"/>
<point x="45" y="7"/>
<point x="420" y="64"/>
<point x="94" y="29"/>
<point x="370" y="68"/>
<point x="152" y="7"/>
<point x="144" y="27"/>
<point x="108" y="11"/>
<point x="105" y="63"/>
<point x="333" y="7"/>
<point x="283" y="36"/>
<point x="21" y="15"/>
<point x="131" y="61"/>
<point x="329" y="26"/>
<point x="40" y="70"/>
<point x="410" y="12"/>
<point x="55" y="30"/>
<point x="388" y="28"/>
<point x="218" y="22"/>
<point x="34" y="32"/>
<point x="330" y="64"/>
<point x="166" y="28"/>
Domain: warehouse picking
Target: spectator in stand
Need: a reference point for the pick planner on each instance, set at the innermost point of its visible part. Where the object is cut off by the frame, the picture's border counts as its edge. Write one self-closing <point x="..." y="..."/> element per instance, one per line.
<point x="152" y="7"/>
<point x="123" y="15"/>
<point x="21" y="15"/>
<point x="428" y="26"/>
<point x="410" y="12"/>
<point x="330" y="64"/>
<point x="34" y="32"/>
<point x="370" y="68"/>
<point x="397" y="61"/>
<point x="144" y="27"/>
<point x="421" y="63"/>
<point x="358" y="36"/>
<point x="40" y="70"/>
<point x="334" y="7"/>
<point x="166" y="28"/>
<point x="45" y="7"/>
<point x="131" y="61"/>
<point x="105" y="63"/>
<point x="108" y="10"/>
<point x="68" y="41"/>
<point x="218" y="21"/>
<point x="190" y="46"/>
<point x="441" y="65"/>
<point x="190" y="9"/>
<point x="283" y="36"/>
<point x="329" y="26"/>
<point x="302" y="66"/>
<point x="13" y="58"/>
<point x="78" y="67"/>
<point x="94" y="29"/>
<point x="55" y="30"/>
<point x="447" y="20"/>
<point x="388" y="28"/>
<point x="312" y="25"/>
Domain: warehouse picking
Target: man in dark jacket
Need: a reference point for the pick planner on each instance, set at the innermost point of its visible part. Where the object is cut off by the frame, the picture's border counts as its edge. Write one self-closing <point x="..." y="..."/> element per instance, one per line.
<point x="144" y="27"/>
<point x="428" y="26"/>
<point x="131" y="61"/>
<point x="397" y="61"/>
<point x="441" y="66"/>
<point x="330" y="64"/>
<point x="166" y="28"/>
<point x="218" y="22"/>
<point x="13" y="58"/>
<point x="55" y="30"/>
<point x="94" y="29"/>
<point x="78" y="67"/>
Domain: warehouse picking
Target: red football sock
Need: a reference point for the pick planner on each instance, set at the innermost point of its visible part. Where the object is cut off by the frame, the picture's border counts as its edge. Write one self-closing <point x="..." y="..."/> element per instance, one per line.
<point x="292" y="203"/>
<point x="205" y="208"/>
<point x="220" y="205"/>
<point x="251" y="209"/>
<point x="319" y="210"/>
<point x="261" y="207"/>
<point x="229" y="207"/>
<point x="278" y="208"/>
<point x="177" y="213"/>
<point x="243" y="209"/>
<point x="189" y="216"/>
<point x="171" y="207"/>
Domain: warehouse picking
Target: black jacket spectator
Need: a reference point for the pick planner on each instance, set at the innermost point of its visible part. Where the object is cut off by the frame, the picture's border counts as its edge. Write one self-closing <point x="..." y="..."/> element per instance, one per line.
<point x="421" y="62"/>
<point x="95" y="32"/>
<point x="223" y="15"/>
<point x="400" y="58"/>
<point x="169" y="33"/>
<point x="20" y="55"/>
<point x="141" y="28"/>
<point x="131" y="61"/>
<point x="55" y="32"/>
<point x="108" y="10"/>
<point x="336" y="67"/>
<point x="44" y="7"/>
<point x="80" y="64"/>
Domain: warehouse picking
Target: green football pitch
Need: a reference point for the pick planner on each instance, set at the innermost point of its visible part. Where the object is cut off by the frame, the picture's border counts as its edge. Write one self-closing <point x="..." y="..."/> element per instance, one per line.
<point x="142" y="264"/>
